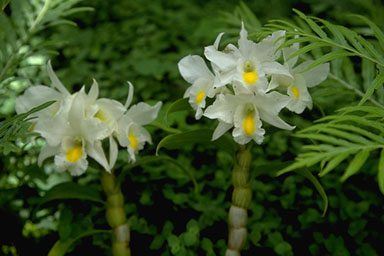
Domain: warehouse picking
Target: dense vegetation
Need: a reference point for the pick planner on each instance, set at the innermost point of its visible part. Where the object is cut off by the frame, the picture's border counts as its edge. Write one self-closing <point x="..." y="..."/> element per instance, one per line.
<point x="188" y="186"/>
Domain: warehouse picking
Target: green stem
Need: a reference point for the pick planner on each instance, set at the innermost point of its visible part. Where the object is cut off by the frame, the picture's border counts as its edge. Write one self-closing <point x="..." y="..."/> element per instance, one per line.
<point x="241" y="199"/>
<point x="115" y="215"/>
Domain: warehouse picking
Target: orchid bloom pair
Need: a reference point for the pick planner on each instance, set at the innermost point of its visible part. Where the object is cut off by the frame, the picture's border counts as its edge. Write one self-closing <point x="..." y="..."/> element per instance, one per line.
<point x="76" y="125"/>
<point x="247" y="84"/>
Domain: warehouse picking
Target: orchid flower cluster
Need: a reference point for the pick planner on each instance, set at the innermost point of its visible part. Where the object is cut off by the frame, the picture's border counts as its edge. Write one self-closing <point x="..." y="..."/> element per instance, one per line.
<point x="249" y="85"/>
<point x="76" y="125"/>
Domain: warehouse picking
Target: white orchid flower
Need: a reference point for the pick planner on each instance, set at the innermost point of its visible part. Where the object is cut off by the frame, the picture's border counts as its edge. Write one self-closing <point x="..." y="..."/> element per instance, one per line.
<point x="245" y="112"/>
<point x="298" y="83"/>
<point x="131" y="134"/>
<point x="194" y="70"/>
<point x="204" y="83"/>
<point x="79" y="138"/>
<point x="247" y="66"/>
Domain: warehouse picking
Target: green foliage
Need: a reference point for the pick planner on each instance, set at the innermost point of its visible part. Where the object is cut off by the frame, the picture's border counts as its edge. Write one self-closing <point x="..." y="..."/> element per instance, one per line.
<point x="16" y="127"/>
<point x="188" y="185"/>
<point x="356" y="133"/>
<point x="71" y="190"/>
<point x="338" y="42"/>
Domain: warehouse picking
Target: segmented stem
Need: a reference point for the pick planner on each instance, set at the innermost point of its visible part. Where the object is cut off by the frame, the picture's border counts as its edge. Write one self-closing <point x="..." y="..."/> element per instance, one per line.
<point x="241" y="198"/>
<point x="115" y="215"/>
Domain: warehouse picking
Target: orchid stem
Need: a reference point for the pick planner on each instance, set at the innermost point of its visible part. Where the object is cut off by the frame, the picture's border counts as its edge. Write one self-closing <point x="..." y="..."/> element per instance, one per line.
<point x="241" y="198"/>
<point x="115" y="215"/>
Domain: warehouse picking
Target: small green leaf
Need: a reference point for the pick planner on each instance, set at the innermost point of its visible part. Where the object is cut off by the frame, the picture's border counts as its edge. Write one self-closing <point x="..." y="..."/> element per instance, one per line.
<point x="355" y="165"/>
<point x="380" y="174"/>
<point x="377" y="31"/>
<point x="307" y="174"/>
<point x="64" y="227"/>
<point x="332" y="164"/>
<point x="307" y="48"/>
<point x="178" y="105"/>
<point x="312" y="24"/>
<point x="376" y="84"/>
<point x="71" y="190"/>
<point x="61" y="247"/>
<point x="327" y="57"/>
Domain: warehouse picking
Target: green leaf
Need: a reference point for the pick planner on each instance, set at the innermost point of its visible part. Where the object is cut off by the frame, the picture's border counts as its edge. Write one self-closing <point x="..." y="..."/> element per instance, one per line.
<point x="61" y="247"/>
<point x="377" y="31"/>
<point x="333" y="163"/>
<point x="71" y="190"/>
<point x="312" y="24"/>
<point x="179" y="105"/>
<point x="179" y="140"/>
<point x="307" y="48"/>
<point x="64" y="228"/>
<point x="355" y="165"/>
<point x="307" y="174"/>
<point x="4" y="3"/>
<point x="328" y="57"/>
<point x="376" y="84"/>
<point x="380" y="174"/>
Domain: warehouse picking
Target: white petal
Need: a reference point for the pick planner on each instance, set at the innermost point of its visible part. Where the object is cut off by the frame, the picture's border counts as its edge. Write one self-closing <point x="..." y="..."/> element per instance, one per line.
<point x="266" y="49"/>
<point x="142" y="113"/>
<point x="124" y="124"/>
<point x="93" y="92"/>
<point x="304" y="100"/>
<point x="130" y="95"/>
<point x="77" y="111"/>
<point x="95" y="150"/>
<point x="46" y="152"/>
<point x="273" y="67"/>
<point x="112" y="108"/>
<point x="217" y="41"/>
<point x="224" y="61"/>
<point x="315" y="75"/>
<point x="223" y="108"/>
<point x="193" y="67"/>
<point x="288" y="51"/>
<point x="221" y="129"/>
<point x="53" y="129"/>
<point x="55" y="81"/>
<point x="113" y="152"/>
<point x="269" y="105"/>
<point x="35" y="96"/>
<point x="246" y="46"/>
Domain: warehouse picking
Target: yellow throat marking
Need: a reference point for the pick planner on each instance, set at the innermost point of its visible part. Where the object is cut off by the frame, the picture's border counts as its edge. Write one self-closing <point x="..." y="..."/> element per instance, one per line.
<point x="200" y="97"/>
<point x="133" y="142"/>
<point x="250" y="77"/>
<point x="99" y="115"/>
<point x="249" y="124"/>
<point x="74" y="154"/>
<point x="295" y="92"/>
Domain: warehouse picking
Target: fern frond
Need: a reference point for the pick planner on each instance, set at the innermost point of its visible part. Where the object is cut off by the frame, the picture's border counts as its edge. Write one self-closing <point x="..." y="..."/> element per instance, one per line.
<point x="25" y="20"/>
<point x="337" y="42"/>
<point x="353" y="135"/>
<point x="12" y="128"/>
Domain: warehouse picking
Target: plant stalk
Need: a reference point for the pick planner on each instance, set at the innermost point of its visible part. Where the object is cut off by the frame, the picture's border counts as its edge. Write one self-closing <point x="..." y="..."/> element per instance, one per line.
<point x="115" y="215"/>
<point x="241" y="198"/>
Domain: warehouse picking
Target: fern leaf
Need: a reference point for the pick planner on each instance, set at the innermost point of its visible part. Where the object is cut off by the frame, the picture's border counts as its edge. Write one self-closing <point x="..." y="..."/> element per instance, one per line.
<point x="376" y="84"/>
<point x="316" y="28"/>
<point x="377" y="31"/>
<point x="355" y="165"/>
